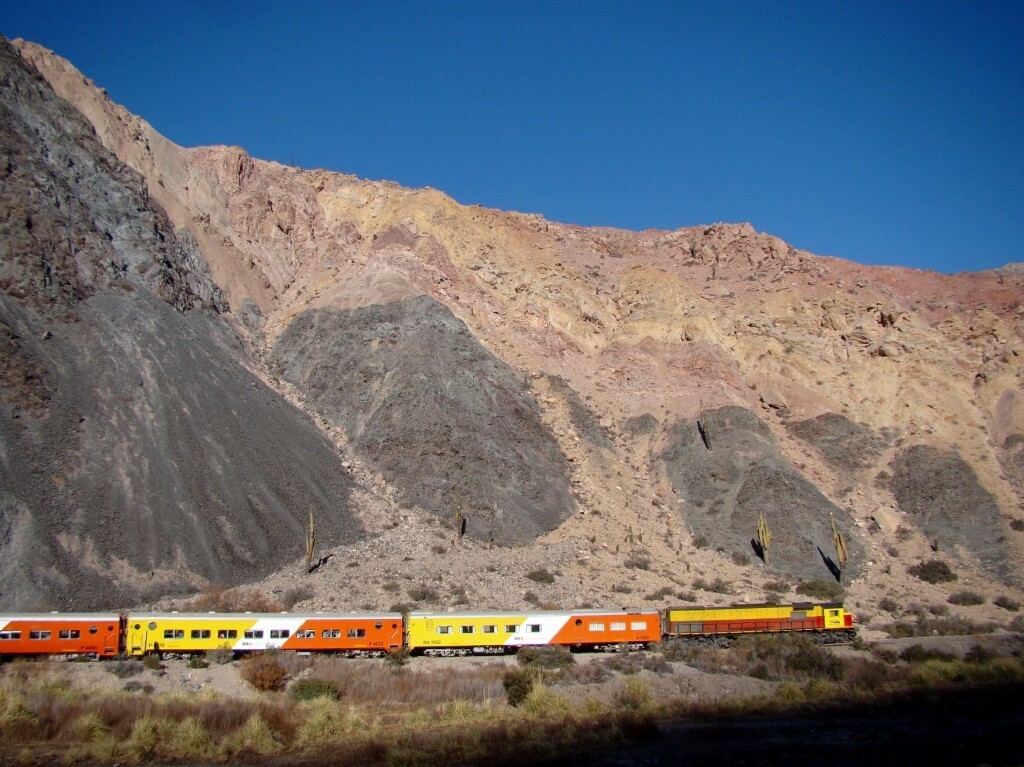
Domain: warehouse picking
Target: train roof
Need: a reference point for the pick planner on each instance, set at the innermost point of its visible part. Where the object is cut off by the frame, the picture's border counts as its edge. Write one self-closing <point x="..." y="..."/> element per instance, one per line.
<point x="552" y="613"/>
<point x="59" y="616"/>
<point x="260" y="616"/>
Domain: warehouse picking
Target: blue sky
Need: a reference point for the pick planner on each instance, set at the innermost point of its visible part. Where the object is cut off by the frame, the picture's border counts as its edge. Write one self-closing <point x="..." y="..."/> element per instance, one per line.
<point x="882" y="132"/>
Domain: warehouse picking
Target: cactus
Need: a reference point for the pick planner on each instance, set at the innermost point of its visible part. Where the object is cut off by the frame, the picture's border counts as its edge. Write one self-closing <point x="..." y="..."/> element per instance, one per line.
<point x="764" y="536"/>
<point x="840" y="543"/>
<point x="702" y="427"/>
<point x="460" y="519"/>
<point x="310" y="543"/>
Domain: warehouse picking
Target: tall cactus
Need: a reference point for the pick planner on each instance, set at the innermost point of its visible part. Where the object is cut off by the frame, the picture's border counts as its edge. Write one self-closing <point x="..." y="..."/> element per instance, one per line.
<point x="764" y="536"/>
<point x="310" y="543"/>
<point x="702" y="427"/>
<point x="460" y="518"/>
<point x="840" y="543"/>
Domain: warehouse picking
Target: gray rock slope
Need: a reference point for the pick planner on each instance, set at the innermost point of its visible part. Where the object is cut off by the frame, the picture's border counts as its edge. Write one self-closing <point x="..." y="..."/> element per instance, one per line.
<point x="739" y="472"/>
<point x="441" y="418"/>
<point x="138" y="455"/>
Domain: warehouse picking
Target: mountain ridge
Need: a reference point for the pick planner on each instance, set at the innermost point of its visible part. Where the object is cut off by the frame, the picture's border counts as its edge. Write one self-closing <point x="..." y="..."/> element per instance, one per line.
<point x="623" y="339"/>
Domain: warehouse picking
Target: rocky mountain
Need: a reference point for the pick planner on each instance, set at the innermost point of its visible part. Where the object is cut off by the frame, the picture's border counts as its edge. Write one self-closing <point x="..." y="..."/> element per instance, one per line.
<point x="621" y="406"/>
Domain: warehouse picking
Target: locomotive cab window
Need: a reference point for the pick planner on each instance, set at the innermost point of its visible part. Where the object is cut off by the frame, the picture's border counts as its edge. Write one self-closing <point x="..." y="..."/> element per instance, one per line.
<point x="356" y="633"/>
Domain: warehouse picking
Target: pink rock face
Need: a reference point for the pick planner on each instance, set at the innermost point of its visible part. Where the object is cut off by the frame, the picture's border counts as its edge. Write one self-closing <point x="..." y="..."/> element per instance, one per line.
<point x="596" y="331"/>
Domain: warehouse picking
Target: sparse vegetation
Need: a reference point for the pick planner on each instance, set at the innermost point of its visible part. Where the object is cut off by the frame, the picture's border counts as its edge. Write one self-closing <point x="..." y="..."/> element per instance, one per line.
<point x="295" y="595"/>
<point x="541" y="576"/>
<point x="216" y="598"/>
<point x="718" y="586"/>
<point x="932" y="571"/>
<point x="819" y="589"/>
<point x="888" y="604"/>
<point x="553" y="657"/>
<point x="422" y="593"/>
<point x="1007" y="603"/>
<point x="966" y="598"/>
<point x="637" y="563"/>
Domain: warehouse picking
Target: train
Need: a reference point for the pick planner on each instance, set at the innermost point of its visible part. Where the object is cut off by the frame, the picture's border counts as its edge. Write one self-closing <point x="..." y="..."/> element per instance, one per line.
<point x="419" y="632"/>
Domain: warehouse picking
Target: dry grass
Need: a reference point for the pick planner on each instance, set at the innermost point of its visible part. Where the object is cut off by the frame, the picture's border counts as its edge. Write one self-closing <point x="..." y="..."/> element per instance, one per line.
<point x="435" y="716"/>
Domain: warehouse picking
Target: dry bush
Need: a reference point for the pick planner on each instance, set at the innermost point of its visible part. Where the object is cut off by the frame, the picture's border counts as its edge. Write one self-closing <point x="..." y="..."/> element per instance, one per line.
<point x="932" y="571"/>
<point x="216" y="598"/>
<point x="662" y="593"/>
<point x="372" y="684"/>
<point x="718" y="586"/>
<point x="264" y="671"/>
<point x="541" y="576"/>
<point x="1006" y="603"/>
<point x="422" y="593"/>
<point x="966" y="598"/>
<point x="819" y="589"/>
<point x="295" y="595"/>
<point x="551" y="657"/>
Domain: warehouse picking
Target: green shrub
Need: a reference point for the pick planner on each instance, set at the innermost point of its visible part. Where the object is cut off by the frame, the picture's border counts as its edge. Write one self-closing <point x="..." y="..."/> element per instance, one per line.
<point x="965" y="598"/>
<point x="517" y="684"/>
<point x="819" y="589"/>
<point x="932" y="571"/>
<point x="197" y="661"/>
<point x="312" y="688"/>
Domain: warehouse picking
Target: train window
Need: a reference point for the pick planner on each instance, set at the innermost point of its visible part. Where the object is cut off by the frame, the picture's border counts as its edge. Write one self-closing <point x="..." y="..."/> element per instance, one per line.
<point x="356" y="633"/>
<point x="467" y="629"/>
<point x="38" y="634"/>
<point x="200" y="633"/>
<point x="597" y="627"/>
<point x="305" y="634"/>
<point x="533" y="628"/>
<point x="226" y="633"/>
<point x="511" y="628"/>
<point x="331" y="633"/>
<point x="489" y="629"/>
<point x="377" y="625"/>
<point x="252" y="634"/>
<point x="444" y="629"/>
<point x="638" y="625"/>
<point x="279" y="633"/>
<point x="618" y="626"/>
<point x="69" y="634"/>
<point x="10" y="635"/>
<point x="168" y="633"/>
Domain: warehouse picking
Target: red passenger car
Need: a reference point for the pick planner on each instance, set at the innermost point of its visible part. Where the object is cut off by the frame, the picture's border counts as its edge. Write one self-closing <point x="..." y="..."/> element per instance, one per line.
<point x="94" y="634"/>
